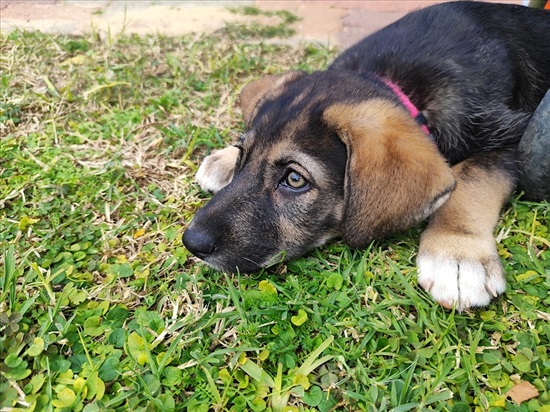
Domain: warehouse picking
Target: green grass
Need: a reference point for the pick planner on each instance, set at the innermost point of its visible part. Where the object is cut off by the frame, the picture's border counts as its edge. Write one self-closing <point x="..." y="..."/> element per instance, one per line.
<point x="103" y="309"/>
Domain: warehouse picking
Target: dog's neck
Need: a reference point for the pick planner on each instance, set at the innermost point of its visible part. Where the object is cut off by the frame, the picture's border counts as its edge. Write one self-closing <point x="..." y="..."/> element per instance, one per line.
<point x="413" y="110"/>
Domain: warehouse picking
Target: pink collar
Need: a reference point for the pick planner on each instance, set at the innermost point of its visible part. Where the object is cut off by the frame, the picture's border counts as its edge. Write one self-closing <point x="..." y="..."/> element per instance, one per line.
<point x="413" y="110"/>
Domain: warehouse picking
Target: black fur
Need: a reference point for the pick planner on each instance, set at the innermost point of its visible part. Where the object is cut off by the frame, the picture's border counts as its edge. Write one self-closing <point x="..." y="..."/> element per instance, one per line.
<point x="477" y="70"/>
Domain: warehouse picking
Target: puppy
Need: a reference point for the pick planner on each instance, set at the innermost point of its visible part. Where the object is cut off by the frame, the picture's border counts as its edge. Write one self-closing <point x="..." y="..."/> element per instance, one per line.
<point x="420" y="119"/>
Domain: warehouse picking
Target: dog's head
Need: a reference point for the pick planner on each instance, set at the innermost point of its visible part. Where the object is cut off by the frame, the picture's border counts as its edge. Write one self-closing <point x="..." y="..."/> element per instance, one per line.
<point x="325" y="155"/>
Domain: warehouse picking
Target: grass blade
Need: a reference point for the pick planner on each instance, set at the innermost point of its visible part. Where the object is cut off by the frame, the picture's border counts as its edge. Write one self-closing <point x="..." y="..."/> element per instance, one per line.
<point x="9" y="280"/>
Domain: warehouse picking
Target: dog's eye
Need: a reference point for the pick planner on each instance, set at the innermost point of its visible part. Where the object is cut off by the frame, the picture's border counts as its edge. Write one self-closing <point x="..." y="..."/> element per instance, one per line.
<point x="295" y="180"/>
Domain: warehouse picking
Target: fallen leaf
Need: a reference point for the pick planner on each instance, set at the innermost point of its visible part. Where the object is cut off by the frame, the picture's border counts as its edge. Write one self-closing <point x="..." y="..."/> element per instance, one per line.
<point x="266" y="286"/>
<point x="76" y="60"/>
<point x="300" y="318"/>
<point x="139" y="233"/>
<point x="522" y="391"/>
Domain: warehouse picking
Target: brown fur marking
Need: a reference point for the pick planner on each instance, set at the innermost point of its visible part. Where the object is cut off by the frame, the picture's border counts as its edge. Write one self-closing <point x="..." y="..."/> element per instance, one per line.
<point x="475" y="204"/>
<point x="394" y="171"/>
<point x="266" y="87"/>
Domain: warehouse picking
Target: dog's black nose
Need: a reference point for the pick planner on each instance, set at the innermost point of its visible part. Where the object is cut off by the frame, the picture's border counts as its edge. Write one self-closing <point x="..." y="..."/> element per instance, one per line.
<point x="199" y="242"/>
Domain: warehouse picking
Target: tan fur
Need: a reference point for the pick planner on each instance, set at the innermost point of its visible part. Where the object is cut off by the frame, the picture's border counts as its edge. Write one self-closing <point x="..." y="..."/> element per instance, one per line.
<point x="395" y="174"/>
<point x="475" y="205"/>
<point x="265" y="87"/>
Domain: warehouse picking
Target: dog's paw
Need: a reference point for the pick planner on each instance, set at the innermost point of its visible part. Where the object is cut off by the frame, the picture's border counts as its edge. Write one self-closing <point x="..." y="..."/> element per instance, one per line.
<point x="459" y="271"/>
<point x="216" y="171"/>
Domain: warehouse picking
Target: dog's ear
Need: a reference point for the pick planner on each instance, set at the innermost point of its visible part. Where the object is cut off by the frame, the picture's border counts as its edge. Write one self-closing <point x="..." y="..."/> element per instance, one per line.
<point x="395" y="175"/>
<point x="266" y="87"/>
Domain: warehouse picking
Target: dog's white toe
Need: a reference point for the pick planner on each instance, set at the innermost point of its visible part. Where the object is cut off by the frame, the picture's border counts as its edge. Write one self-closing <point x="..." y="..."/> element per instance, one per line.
<point x="216" y="170"/>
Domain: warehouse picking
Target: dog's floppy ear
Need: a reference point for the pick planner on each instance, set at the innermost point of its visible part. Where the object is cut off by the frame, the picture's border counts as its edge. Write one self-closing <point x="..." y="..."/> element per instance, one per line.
<point x="268" y="86"/>
<point x="395" y="175"/>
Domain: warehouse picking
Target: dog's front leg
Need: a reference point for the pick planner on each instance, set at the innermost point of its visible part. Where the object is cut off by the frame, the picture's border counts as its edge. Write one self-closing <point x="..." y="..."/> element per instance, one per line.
<point x="216" y="170"/>
<point x="458" y="261"/>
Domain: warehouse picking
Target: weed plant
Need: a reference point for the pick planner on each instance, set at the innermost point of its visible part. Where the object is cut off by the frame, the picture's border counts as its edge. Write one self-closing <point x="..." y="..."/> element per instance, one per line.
<point x="103" y="309"/>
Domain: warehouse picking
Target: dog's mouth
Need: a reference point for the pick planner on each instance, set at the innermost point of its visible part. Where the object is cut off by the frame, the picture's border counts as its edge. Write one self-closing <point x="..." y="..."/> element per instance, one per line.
<point x="243" y="266"/>
<point x="240" y="264"/>
<point x="223" y="266"/>
<point x="218" y="252"/>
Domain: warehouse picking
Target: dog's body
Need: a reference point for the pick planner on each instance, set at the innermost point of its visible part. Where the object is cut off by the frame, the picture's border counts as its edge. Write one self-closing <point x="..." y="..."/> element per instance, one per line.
<point x="338" y="153"/>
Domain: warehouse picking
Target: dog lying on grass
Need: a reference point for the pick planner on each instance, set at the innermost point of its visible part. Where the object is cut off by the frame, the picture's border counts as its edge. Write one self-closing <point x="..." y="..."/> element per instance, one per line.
<point x="421" y="119"/>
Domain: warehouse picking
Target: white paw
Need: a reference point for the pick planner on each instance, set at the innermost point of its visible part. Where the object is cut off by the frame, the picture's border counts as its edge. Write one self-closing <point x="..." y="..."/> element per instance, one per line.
<point x="461" y="283"/>
<point x="216" y="170"/>
<point x="460" y="276"/>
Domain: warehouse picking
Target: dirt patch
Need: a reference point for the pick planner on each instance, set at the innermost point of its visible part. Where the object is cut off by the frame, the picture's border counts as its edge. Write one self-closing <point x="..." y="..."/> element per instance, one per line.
<point x="83" y="17"/>
<point x="320" y="22"/>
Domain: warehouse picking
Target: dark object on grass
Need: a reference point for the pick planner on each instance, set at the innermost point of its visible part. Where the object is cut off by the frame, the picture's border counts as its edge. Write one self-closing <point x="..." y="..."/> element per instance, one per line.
<point x="534" y="153"/>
